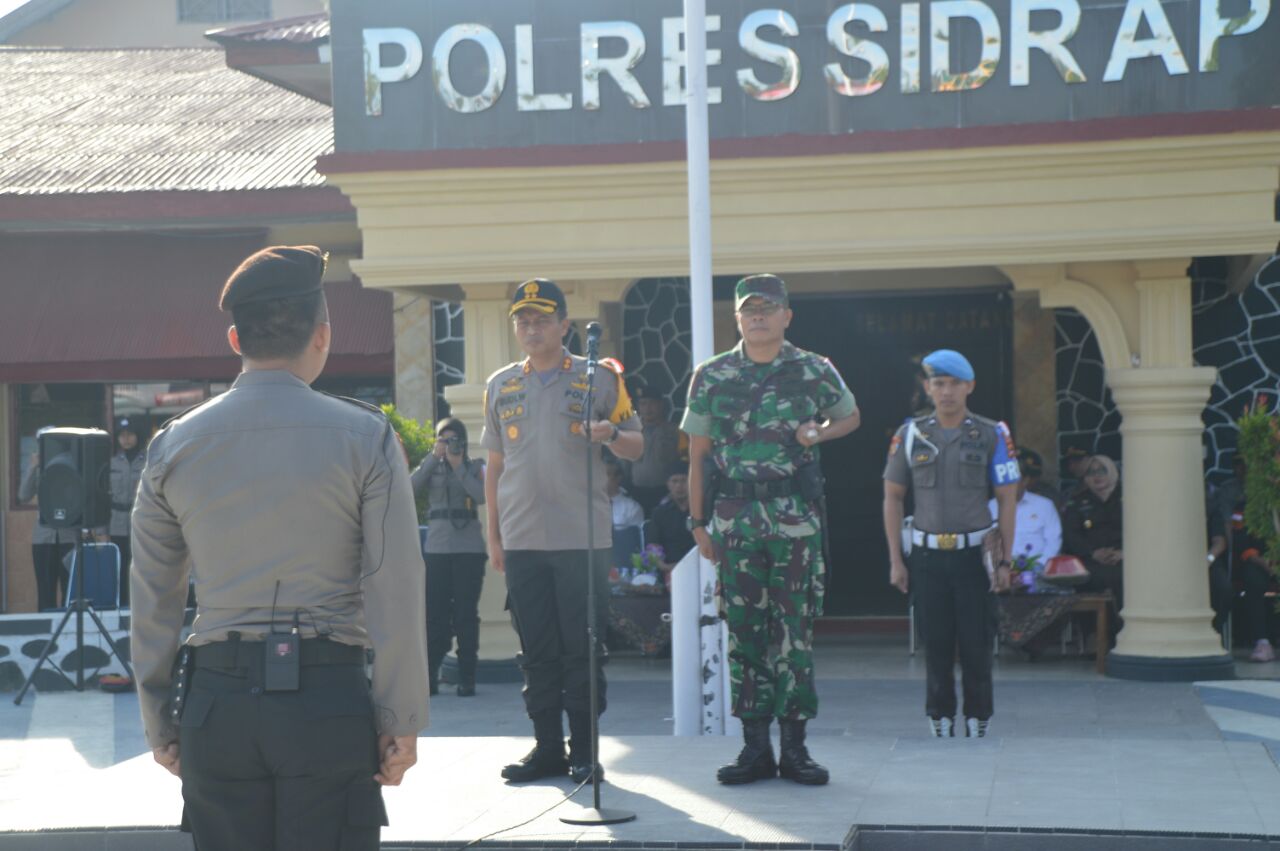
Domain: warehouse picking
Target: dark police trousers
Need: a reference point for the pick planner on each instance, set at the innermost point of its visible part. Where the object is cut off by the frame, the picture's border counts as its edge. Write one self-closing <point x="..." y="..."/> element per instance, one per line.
<point x="454" y="581"/>
<point x="955" y="607"/>
<point x="278" y="771"/>
<point x="547" y="596"/>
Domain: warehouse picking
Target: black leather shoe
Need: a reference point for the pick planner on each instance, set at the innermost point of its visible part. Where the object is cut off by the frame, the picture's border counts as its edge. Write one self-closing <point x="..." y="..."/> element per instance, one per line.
<point x="580" y="772"/>
<point x="755" y="762"/>
<point x="466" y="689"/>
<point x="538" y="763"/>
<point x="794" y="762"/>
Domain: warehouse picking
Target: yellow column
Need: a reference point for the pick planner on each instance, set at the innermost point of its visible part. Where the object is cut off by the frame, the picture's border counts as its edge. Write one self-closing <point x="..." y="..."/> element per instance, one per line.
<point x="415" y="356"/>
<point x="489" y="346"/>
<point x="1167" y="631"/>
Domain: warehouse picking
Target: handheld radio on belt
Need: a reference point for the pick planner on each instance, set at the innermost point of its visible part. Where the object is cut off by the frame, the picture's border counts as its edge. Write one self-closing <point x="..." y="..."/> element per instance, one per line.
<point x="282" y="655"/>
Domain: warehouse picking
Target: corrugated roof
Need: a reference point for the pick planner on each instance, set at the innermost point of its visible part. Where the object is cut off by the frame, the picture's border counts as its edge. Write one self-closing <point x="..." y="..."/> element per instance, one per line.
<point x="144" y="120"/>
<point x="135" y="306"/>
<point x="27" y="15"/>
<point x="303" y="29"/>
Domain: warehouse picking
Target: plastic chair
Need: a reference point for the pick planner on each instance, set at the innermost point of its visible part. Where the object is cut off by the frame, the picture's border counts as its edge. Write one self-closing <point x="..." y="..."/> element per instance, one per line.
<point x="627" y="541"/>
<point x="101" y="575"/>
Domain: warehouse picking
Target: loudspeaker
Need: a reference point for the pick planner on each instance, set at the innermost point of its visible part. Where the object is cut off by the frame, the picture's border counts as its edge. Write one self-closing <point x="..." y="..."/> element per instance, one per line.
<point x="75" y="478"/>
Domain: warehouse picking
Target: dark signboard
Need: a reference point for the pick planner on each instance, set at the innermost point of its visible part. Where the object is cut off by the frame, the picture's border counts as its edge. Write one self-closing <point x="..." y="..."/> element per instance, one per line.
<point x="412" y="75"/>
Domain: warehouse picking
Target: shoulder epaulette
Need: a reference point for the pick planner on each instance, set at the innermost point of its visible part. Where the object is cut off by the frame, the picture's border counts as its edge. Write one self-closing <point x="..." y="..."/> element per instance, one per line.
<point x="182" y="414"/>
<point x="357" y="402"/>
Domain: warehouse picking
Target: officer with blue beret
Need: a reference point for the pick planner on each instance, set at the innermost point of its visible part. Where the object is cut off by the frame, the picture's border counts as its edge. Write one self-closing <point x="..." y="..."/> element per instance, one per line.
<point x="951" y="460"/>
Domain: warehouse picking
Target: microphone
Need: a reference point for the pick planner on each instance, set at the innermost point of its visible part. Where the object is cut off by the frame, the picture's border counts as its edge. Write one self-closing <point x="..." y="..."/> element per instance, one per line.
<point x="593" y="347"/>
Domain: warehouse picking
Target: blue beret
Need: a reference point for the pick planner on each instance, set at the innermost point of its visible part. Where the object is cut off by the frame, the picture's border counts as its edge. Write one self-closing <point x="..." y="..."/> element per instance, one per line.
<point x="948" y="362"/>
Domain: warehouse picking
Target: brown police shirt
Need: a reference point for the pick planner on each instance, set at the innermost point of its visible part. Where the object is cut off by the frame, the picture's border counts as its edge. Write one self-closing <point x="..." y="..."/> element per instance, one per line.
<point x="273" y="492"/>
<point x="537" y="428"/>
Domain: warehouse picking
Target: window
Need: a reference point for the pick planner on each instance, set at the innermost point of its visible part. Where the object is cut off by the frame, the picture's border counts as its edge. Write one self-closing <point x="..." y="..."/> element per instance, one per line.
<point x="40" y="405"/>
<point x="219" y="11"/>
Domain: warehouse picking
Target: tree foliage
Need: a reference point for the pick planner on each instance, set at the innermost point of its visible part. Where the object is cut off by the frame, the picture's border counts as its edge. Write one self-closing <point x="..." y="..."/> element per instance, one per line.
<point x="418" y="439"/>
<point x="1259" y="446"/>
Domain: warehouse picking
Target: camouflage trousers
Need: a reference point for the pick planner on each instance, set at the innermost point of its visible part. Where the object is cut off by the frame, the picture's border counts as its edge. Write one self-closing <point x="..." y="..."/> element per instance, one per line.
<point x="769" y="595"/>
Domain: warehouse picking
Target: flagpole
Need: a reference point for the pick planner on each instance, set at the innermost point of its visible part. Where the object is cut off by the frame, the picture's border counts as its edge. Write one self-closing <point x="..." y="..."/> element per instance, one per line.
<point x="686" y="667"/>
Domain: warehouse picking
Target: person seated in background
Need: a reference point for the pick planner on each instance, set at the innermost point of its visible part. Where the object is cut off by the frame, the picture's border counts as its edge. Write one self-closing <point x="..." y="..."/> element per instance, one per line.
<point x="664" y="443"/>
<point x="1075" y="459"/>
<point x="626" y="511"/>
<point x="1092" y="529"/>
<point x="670" y="523"/>
<point x="1221" y="594"/>
<point x="1038" y="531"/>
<point x="1252" y="571"/>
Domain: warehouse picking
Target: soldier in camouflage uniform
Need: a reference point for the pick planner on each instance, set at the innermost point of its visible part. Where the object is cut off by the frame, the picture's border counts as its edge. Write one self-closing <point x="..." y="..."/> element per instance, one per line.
<point x="753" y="412"/>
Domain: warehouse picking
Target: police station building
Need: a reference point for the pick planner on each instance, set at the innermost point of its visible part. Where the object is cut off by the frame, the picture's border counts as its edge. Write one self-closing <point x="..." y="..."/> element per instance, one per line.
<point x="1071" y="192"/>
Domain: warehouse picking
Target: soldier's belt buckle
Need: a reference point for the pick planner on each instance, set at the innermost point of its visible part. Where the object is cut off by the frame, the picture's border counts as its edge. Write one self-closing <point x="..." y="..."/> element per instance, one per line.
<point x="948" y="541"/>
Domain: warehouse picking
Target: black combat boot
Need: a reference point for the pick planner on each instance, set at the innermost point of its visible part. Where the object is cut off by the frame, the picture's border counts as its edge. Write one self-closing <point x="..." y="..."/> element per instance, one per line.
<point x="466" y="677"/>
<point x="794" y="762"/>
<point x="755" y="762"/>
<point x="580" y="748"/>
<point x="547" y="757"/>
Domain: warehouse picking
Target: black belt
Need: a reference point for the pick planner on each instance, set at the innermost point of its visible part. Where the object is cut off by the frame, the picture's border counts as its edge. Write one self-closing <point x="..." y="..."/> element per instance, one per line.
<point x="122" y="506"/>
<point x="772" y="489"/>
<point x="451" y="514"/>
<point x="244" y="654"/>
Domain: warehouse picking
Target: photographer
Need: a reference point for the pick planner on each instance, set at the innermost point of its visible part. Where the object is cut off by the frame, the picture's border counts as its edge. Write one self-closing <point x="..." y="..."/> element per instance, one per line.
<point x="454" y="484"/>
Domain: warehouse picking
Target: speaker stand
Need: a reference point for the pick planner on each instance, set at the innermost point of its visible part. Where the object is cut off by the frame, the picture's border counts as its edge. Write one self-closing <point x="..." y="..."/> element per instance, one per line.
<point x="79" y="606"/>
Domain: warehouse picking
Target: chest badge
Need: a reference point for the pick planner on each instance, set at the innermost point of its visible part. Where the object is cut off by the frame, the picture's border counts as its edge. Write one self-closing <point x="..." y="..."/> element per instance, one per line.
<point x="513" y="432"/>
<point x="921" y="457"/>
<point x="1088" y="524"/>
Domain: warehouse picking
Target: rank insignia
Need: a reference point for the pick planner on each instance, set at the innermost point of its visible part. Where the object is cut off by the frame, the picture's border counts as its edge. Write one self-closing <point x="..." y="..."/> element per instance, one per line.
<point x="921" y="457"/>
<point x="973" y="434"/>
<point x="513" y="432"/>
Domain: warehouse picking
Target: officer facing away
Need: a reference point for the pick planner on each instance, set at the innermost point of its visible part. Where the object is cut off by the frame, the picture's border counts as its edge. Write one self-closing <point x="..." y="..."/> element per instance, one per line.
<point x="951" y="459"/>
<point x="292" y="511"/>
<point x="754" y="412"/>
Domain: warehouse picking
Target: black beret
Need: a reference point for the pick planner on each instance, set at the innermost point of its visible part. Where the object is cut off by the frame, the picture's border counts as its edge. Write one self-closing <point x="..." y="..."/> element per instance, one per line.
<point x="538" y="294"/>
<point x="280" y="271"/>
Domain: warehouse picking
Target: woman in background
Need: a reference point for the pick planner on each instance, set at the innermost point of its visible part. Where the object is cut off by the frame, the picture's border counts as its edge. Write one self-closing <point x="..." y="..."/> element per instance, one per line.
<point x="454" y="485"/>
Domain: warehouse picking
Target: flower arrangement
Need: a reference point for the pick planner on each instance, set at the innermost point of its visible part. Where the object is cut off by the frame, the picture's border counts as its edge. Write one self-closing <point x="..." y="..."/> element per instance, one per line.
<point x="1026" y="568"/>
<point x="649" y="560"/>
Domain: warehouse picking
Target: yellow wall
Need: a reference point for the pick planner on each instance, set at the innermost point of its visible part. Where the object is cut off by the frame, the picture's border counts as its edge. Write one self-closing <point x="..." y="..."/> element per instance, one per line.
<point x="136" y="23"/>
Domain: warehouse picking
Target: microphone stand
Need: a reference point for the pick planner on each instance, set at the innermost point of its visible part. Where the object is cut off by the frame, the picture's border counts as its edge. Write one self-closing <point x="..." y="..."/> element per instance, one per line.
<point x="595" y="815"/>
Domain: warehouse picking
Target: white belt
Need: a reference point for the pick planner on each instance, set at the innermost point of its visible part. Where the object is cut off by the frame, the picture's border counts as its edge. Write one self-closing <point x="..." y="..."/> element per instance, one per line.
<point x="948" y="540"/>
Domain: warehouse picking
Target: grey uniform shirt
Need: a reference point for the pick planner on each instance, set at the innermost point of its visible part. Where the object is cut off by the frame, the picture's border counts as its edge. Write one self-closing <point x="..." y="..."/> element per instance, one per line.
<point x="454" y="490"/>
<point x="272" y="482"/>
<point x="537" y="429"/>
<point x="40" y="533"/>
<point x="661" y="451"/>
<point x="951" y="471"/>
<point x="125" y="475"/>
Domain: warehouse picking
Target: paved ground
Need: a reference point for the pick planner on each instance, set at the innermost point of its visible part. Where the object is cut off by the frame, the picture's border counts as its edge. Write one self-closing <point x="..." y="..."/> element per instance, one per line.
<point x="1068" y="749"/>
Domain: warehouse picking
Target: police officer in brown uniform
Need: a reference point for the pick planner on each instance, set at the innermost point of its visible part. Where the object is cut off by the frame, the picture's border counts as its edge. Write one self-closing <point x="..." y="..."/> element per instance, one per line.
<point x="292" y="511"/>
<point x="952" y="460"/>
<point x="536" y="430"/>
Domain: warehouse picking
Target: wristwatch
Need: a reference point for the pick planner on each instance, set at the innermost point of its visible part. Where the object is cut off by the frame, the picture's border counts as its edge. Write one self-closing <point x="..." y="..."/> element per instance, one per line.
<point x="692" y="523"/>
<point x="613" y="435"/>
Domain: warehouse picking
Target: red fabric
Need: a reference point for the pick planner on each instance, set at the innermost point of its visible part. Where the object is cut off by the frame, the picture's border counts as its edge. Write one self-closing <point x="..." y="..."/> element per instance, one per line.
<point x="144" y="307"/>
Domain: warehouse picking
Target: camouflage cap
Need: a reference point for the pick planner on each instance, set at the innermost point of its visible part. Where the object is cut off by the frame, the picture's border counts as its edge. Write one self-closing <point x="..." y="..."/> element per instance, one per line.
<point x="768" y="287"/>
